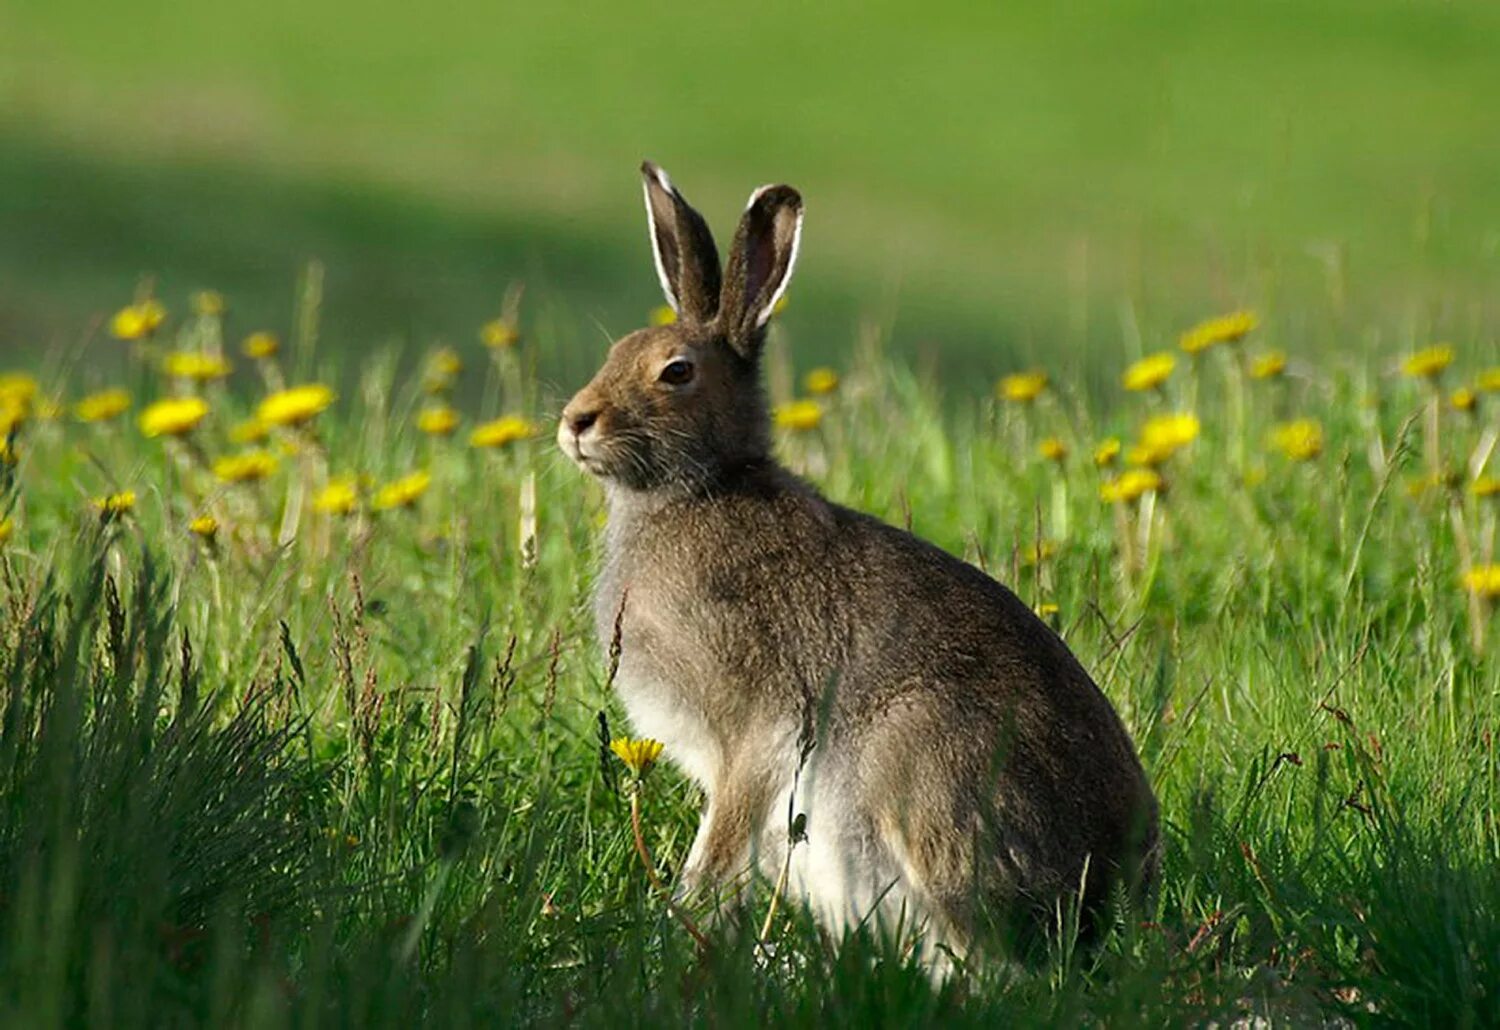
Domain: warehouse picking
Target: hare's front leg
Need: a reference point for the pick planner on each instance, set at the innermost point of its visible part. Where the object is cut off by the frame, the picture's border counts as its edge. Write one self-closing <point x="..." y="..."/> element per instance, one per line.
<point x="721" y="860"/>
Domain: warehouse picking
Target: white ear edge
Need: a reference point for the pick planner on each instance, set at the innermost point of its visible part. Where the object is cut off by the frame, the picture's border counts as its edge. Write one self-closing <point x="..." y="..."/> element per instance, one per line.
<point x="665" y="183"/>
<point x="764" y="314"/>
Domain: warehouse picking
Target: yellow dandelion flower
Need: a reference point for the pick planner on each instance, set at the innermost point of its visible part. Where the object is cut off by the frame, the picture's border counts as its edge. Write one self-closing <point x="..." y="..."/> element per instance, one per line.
<point x="251" y="430"/>
<point x="663" y="315"/>
<point x="1483" y="580"/>
<point x="499" y="334"/>
<point x="1163" y="436"/>
<point x="1053" y="449"/>
<point x="295" y="406"/>
<point x="260" y="346"/>
<point x="205" y="527"/>
<point x="798" y="416"/>
<point x="445" y="362"/>
<point x="1300" y="440"/>
<point x="137" y="321"/>
<point x="1230" y="328"/>
<point x="208" y="303"/>
<point x="403" y="492"/>
<point x="1485" y="486"/>
<point x="7" y="529"/>
<point x="247" y="467"/>
<point x="18" y="388"/>
<point x="1130" y="485"/>
<point x="1108" y="450"/>
<point x="339" y="497"/>
<point x="201" y="368"/>
<point x="1489" y="380"/>
<point x="821" y="381"/>
<point x="1047" y="609"/>
<point x="1022" y="387"/>
<point x="102" y="406"/>
<point x="175" y="416"/>
<point x="1149" y="372"/>
<point x="111" y="505"/>
<point x="638" y="755"/>
<point x="1464" y="399"/>
<point x="1429" y="362"/>
<point x="439" y="421"/>
<point x="12" y="414"/>
<point x="1269" y="365"/>
<point x="506" y="429"/>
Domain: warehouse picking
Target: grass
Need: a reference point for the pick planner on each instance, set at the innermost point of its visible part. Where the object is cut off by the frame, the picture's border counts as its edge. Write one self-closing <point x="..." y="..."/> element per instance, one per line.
<point x="349" y="768"/>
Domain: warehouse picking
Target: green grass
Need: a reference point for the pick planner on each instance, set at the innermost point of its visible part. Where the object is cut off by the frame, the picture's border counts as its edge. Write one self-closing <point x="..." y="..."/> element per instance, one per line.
<point x="355" y="777"/>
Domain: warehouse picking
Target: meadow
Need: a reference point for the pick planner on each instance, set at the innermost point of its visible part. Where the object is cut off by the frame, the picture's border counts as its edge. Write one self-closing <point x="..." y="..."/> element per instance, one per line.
<point x="304" y="722"/>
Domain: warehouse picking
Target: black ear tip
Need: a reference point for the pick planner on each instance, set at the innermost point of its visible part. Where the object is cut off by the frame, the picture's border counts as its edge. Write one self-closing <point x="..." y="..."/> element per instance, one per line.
<point x="769" y="198"/>
<point x="653" y="172"/>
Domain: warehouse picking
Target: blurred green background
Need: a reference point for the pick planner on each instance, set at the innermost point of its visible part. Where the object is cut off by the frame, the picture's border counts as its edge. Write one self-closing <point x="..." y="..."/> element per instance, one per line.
<point x="992" y="184"/>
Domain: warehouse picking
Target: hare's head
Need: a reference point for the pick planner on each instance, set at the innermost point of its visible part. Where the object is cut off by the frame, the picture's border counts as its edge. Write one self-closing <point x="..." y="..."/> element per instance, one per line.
<point x="680" y="405"/>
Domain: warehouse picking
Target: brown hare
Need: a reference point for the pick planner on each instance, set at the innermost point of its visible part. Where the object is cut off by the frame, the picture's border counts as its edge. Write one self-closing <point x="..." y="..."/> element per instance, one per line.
<point x="963" y="769"/>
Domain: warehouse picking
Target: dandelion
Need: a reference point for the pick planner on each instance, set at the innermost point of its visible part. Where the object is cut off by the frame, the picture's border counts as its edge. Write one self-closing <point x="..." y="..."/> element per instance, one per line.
<point x="112" y="505"/>
<point x="102" y="406"/>
<point x="296" y="406"/>
<point x="403" y="492"/>
<point x="200" y="368"/>
<point x="1149" y="372"/>
<point x="18" y="389"/>
<point x="174" y="416"/>
<point x="1300" y="439"/>
<point x="7" y="529"/>
<point x="821" y="381"/>
<point x="248" y="467"/>
<point x="205" y="528"/>
<point x="499" y="334"/>
<point x="250" y="431"/>
<point x="445" y="362"/>
<point x="504" y="430"/>
<point x="1429" y="362"/>
<point x="138" y="321"/>
<point x="1485" y="486"/>
<point x="1130" y="485"/>
<point x="438" y="421"/>
<point x="638" y="755"/>
<point x="208" y="303"/>
<point x="1483" y="581"/>
<point x="1269" y="365"/>
<point x="798" y="416"/>
<point x="1230" y="328"/>
<point x="1047" y="609"/>
<point x="12" y="415"/>
<point x="1053" y="449"/>
<point x="662" y="315"/>
<point x="8" y="455"/>
<point x="1022" y="387"/>
<point x="260" y="346"/>
<point x="1489" y="380"/>
<point x="1163" y="436"/>
<point x="339" y="497"/>
<point x="1464" y="399"/>
<point x="1107" y="452"/>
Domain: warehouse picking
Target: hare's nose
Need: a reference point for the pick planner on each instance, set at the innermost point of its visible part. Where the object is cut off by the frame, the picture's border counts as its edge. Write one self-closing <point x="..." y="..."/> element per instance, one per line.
<point x="579" y="421"/>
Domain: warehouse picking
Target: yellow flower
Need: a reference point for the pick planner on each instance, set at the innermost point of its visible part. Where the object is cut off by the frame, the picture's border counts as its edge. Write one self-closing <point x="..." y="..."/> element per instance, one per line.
<point x="1429" y="362"/>
<point x="102" y="406"/>
<point x="1300" y="439"/>
<point x="7" y="529"/>
<point x="504" y="430"/>
<point x="18" y="389"/>
<point x="339" y="497"/>
<point x="446" y="362"/>
<point x="202" y="368"/>
<point x="1483" y="580"/>
<point x="175" y="416"/>
<point x="1107" y="451"/>
<point x="1464" y="399"/>
<point x="798" y="416"/>
<point x="1163" y="436"/>
<point x="499" y="334"/>
<point x="247" y="467"/>
<point x="1130" y="485"/>
<point x="1053" y="449"/>
<point x="1149" y="372"/>
<point x="638" y="755"/>
<point x="208" y="303"/>
<point x="252" y="430"/>
<point x="1485" y="486"/>
<point x="137" y="321"/>
<point x="1269" y="365"/>
<point x="403" y="492"/>
<point x="1047" y="609"/>
<point x="1022" y="387"/>
<point x="8" y="455"/>
<point x="821" y="381"/>
<point x="440" y="421"/>
<point x="663" y="315"/>
<point x="296" y="406"/>
<point x="1229" y="328"/>
<point x="205" y="527"/>
<point x="111" y="505"/>
<point x="1489" y="380"/>
<point x="259" y="346"/>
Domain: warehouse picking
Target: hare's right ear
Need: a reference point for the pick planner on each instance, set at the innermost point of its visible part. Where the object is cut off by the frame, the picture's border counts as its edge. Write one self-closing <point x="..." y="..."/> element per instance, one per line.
<point x="761" y="260"/>
<point x="687" y="260"/>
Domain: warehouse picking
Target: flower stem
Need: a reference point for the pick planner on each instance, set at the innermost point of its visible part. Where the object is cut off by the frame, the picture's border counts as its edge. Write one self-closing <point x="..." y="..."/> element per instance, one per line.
<point x="651" y="874"/>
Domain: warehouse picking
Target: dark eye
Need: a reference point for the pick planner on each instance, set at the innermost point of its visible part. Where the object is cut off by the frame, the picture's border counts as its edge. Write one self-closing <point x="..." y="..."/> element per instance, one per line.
<point x="677" y="372"/>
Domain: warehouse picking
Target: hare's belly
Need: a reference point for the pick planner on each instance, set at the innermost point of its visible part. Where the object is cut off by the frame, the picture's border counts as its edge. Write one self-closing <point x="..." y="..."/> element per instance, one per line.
<point x="659" y="710"/>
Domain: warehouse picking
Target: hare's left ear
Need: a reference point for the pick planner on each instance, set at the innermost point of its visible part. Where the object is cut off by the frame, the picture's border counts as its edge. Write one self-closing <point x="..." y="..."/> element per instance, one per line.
<point x="687" y="260"/>
<point x="760" y="265"/>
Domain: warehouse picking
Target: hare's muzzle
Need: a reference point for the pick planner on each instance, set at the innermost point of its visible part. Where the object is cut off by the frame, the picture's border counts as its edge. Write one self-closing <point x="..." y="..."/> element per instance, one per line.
<point x="575" y="428"/>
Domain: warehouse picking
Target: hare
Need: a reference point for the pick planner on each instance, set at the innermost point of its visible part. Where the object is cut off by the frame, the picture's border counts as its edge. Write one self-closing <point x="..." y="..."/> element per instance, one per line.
<point x="957" y="767"/>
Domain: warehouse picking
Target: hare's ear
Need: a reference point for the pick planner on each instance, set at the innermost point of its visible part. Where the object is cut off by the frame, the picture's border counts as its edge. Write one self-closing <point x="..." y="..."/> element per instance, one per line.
<point x="760" y="264"/>
<point x="687" y="260"/>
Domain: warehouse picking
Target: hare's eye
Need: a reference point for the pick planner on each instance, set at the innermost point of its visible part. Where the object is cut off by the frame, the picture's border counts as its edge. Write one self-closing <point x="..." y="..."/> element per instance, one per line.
<point x="677" y="372"/>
